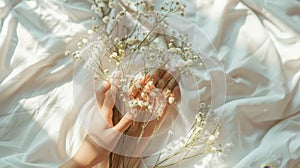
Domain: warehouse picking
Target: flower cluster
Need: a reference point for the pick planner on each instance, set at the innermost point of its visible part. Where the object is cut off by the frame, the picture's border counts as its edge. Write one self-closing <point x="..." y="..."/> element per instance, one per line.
<point x="201" y="139"/>
<point x="145" y="43"/>
<point x="141" y="94"/>
<point x="103" y="8"/>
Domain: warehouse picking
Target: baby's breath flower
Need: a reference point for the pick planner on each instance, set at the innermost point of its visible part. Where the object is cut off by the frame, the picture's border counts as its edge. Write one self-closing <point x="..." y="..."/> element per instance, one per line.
<point x="84" y="40"/>
<point x="189" y="62"/>
<point x="175" y="50"/>
<point x="106" y="71"/>
<point x="79" y="45"/>
<point x="155" y="53"/>
<point x="212" y="138"/>
<point x="105" y="19"/>
<point x="113" y="55"/>
<point x="97" y="10"/>
<point x="171" y="99"/>
<point x="90" y="32"/>
<point x="130" y="41"/>
<point x="93" y="7"/>
<point x="102" y="5"/>
<point x="111" y="4"/>
<point x="202" y="105"/>
<point x="98" y="1"/>
<point x="67" y="52"/>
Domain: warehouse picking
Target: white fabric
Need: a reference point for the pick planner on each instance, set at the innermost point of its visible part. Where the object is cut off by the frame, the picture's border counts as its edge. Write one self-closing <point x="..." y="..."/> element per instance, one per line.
<point x="258" y="42"/>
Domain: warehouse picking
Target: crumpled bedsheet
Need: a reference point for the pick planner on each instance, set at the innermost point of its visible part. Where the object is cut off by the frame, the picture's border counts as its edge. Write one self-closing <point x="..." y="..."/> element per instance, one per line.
<point x="258" y="42"/>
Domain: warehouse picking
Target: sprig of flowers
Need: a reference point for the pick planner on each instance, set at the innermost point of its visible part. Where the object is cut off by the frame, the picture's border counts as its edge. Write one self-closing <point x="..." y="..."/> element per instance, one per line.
<point x="201" y="139"/>
<point x="147" y="40"/>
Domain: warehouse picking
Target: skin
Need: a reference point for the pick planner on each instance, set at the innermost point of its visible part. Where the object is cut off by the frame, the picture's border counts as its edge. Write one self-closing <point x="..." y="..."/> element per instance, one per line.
<point x="89" y="153"/>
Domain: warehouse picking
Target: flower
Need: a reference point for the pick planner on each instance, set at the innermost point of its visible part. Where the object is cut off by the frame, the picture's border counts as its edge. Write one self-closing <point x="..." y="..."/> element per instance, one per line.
<point x="189" y="62"/>
<point x="171" y="99"/>
<point x="111" y="4"/>
<point x="105" y="19"/>
<point x="212" y="138"/>
<point x="98" y="1"/>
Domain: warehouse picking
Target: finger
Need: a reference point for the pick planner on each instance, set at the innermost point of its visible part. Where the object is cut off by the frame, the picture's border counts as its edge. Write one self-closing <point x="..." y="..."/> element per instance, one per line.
<point x="124" y="123"/>
<point x="109" y="98"/>
<point x="176" y="92"/>
<point x="164" y="80"/>
<point x="176" y="96"/>
<point x="108" y="104"/>
<point x="171" y="84"/>
<point x="100" y="94"/>
<point x="156" y="75"/>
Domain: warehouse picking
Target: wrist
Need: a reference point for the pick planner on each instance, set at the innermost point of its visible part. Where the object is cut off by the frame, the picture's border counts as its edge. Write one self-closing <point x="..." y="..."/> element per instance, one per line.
<point x="88" y="155"/>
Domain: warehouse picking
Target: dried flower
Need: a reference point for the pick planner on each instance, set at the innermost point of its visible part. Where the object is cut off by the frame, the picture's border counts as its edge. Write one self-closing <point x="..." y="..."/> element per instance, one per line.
<point x="105" y="19"/>
<point x="111" y="4"/>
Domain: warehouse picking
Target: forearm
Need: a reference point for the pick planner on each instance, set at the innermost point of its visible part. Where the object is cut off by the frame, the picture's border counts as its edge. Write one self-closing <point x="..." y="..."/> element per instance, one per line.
<point x="88" y="155"/>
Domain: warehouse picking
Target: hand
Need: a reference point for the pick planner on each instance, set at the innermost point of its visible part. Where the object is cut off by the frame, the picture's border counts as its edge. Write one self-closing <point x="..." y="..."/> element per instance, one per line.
<point x="166" y="82"/>
<point x="90" y="153"/>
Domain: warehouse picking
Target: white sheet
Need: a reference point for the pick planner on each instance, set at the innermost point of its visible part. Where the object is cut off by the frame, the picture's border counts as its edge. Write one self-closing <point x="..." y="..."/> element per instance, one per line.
<point x="259" y="44"/>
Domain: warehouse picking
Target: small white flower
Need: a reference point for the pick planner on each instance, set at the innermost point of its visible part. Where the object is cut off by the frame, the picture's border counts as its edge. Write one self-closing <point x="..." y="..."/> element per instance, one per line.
<point x="202" y="105"/>
<point x="113" y="55"/>
<point x="97" y="10"/>
<point x="174" y="50"/>
<point x="90" y="32"/>
<point x="84" y="40"/>
<point x="79" y="45"/>
<point x="101" y="4"/>
<point x="98" y="1"/>
<point x="143" y="94"/>
<point x="137" y="85"/>
<point x="140" y="103"/>
<point x="116" y="40"/>
<point x="214" y="149"/>
<point x="105" y="19"/>
<point x="170" y="132"/>
<point x="199" y="129"/>
<point x="130" y="103"/>
<point x="170" y="45"/>
<point x="130" y="41"/>
<point x="106" y="71"/>
<point x="145" y="104"/>
<point x="111" y="5"/>
<point x="167" y="66"/>
<point x="122" y="13"/>
<point x="189" y="62"/>
<point x="93" y="7"/>
<point x="67" y="52"/>
<point x="171" y="99"/>
<point x="212" y="138"/>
